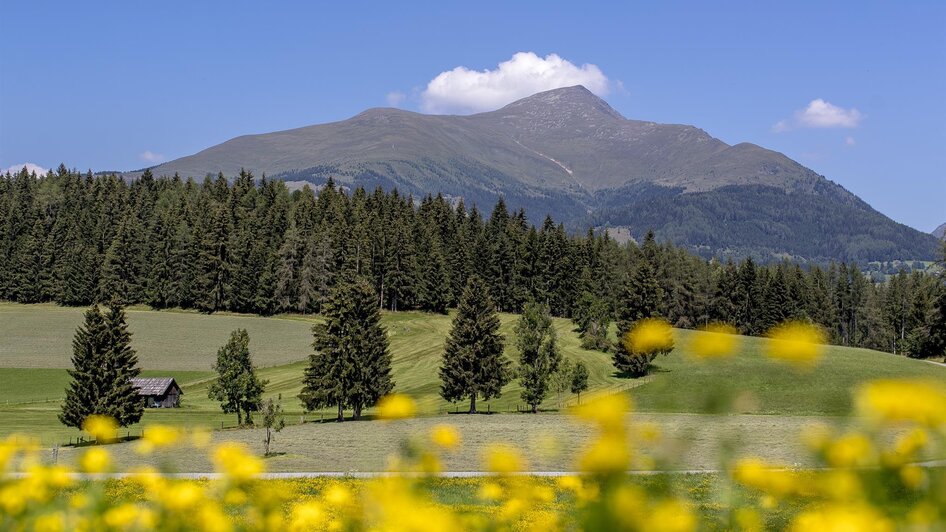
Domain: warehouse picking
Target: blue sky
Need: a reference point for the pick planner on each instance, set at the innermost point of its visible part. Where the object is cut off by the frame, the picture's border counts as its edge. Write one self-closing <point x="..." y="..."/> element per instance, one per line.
<point x="124" y="85"/>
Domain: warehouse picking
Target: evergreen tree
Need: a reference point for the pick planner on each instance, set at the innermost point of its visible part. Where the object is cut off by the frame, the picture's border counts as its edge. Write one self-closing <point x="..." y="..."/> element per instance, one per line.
<point x="473" y="363"/>
<point x="88" y="358"/>
<point x="237" y="387"/>
<point x="539" y="355"/>
<point x="120" y="399"/>
<point x="103" y="365"/>
<point x="351" y="366"/>
<point x="123" y="264"/>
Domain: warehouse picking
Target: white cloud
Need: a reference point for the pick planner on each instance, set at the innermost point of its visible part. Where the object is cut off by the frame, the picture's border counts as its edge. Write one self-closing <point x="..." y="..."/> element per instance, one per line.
<point x="395" y="98"/>
<point x="821" y="114"/>
<point x="849" y="141"/>
<point x="149" y="156"/>
<point x="30" y="167"/>
<point x="462" y="90"/>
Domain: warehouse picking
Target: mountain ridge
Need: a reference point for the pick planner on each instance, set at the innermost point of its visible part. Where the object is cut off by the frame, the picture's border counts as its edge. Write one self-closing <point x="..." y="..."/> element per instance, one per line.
<point x="568" y="153"/>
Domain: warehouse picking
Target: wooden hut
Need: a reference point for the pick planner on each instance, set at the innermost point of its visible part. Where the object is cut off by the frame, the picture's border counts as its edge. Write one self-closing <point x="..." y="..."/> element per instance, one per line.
<point x="160" y="392"/>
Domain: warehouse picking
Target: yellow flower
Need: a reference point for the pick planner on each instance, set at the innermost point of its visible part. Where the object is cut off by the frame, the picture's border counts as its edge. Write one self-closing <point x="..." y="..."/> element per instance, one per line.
<point x="755" y="473"/>
<point x="716" y="340"/>
<point x="649" y="336"/>
<point x="504" y="459"/>
<point x="95" y="461"/>
<point x="233" y="460"/>
<point x="12" y="499"/>
<point x="306" y="516"/>
<point x="851" y="450"/>
<point x="490" y="491"/>
<point x="797" y="343"/>
<point x="918" y="401"/>
<point x="607" y="411"/>
<point x="100" y="427"/>
<point x="912" y="476"/>
<point x="607" y="454"/>
<point x="182" y="496"/>
<point x="396" y="406"/>
<point x="749" y="520"/>
<point x="445" y="436"/>
<point x="212" y="519"/>
<point x="338" y="495"/>
<point x="54" y="522"/>
<point x="157" y="437"/>
<point x="842" y="518"/>
<point x="122" y="516"/>
<point x="672" y="516"/>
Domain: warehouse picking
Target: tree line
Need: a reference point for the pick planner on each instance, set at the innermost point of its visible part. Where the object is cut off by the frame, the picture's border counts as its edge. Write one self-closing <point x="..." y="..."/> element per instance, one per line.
<point x="252" y="245"/>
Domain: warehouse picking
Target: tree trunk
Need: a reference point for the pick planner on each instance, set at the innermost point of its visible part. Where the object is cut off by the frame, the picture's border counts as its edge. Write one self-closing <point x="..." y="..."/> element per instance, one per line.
<point x="535" y="408"/>
<point x="357" y="414"/>
<point x="239" y="418"/>
<point x="341" y="413"/>
<point x="266" y="441"/>
<point x="473" y="404"/>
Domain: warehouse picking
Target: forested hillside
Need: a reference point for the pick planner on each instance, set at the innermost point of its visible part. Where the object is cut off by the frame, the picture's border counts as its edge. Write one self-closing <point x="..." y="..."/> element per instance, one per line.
<point x="252" y="246"/>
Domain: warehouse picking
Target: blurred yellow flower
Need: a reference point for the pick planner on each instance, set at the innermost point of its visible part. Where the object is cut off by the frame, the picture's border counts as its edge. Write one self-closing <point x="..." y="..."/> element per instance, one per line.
<point x="607" y="411"/>
<point x="306" y="516"/>
<point x="337" y="495"/>
<point x="100" y="427"/>
<point x="816" y="436"/>
<point x="445" y="436"/>
<point x="233" y="460"/>
<point x="841" y="518"/>
<point x="121" y="516"/>
<point x="157" y="437"/>
<point x="754" y="473"/>
<point x="607" y="454"/>
<point x="201" y="437"/>
<point x="716" y="340"/>
<point x="54" y="522"/>
<point x="797" y="343"/>
<point x="672" y="516"/>
<point x="490" y="491"/>
<point x="648" y="336"/>
<point x="912" y="476"/>
<point x="851" y="450"/>
<point x="396" y="406"/>
<point x="182" y="496"/>
<point x="504" y="459"/>
<point x="95" y="461"/>
<point x="918" y="401"/>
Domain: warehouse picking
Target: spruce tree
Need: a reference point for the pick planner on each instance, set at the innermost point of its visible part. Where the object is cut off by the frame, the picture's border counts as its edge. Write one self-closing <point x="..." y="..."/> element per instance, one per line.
<point x="539" y="355"/>
<point x="473" y="363"/>
<point x="351" y="367"/>
<point x="237" y="387"/>
<point x="88" y="358"/>
<point x="120" y="398"/>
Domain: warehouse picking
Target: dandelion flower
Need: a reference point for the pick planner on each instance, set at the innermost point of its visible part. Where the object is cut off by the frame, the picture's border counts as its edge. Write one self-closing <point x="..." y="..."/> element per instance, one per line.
<point x="100" y="427"/>
<point x="396" y="406"/>
<point x="649" y="336"/>
<point x="445" y="436"/>
<point x="798" y="343"/>
<point x="716" y="340"/>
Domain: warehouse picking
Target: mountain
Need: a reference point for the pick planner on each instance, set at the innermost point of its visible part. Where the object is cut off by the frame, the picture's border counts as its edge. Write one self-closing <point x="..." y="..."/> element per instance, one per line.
<point x="566" y="152"/>
<point x="940" y="232"/>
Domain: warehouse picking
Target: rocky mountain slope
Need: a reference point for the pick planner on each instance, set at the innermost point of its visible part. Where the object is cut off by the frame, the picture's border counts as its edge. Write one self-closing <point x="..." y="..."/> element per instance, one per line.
<point x="567" y="153"/>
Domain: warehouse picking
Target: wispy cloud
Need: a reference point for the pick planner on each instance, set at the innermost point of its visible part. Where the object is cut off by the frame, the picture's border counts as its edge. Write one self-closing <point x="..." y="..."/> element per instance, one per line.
<point x="820" y="114"/>
<point x="30" y="167"/>
<point x="149" y="156"/>
<point x="395" y="98"/>
<point x="462" y="90"/>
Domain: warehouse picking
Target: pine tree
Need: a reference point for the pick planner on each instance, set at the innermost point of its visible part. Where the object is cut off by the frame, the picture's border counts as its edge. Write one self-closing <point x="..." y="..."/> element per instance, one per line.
<point x="123" y="265"/>
<point x="120" y="398"/>
<point x="214" y="262"/>
<point x="539" y="355"/>
<point x="88" y="359"/>
<point x="237" y="387"/>
<point x="351" y="366"/>
<point x="473" y="362"/>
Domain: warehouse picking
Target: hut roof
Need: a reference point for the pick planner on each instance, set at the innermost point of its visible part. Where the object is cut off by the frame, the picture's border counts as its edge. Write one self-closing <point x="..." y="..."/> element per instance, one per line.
<point x="154" y="385"/>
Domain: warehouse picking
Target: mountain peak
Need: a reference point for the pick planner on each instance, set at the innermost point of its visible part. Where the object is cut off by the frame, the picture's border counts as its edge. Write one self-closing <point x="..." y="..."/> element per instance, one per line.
<point x="574" y="101"/>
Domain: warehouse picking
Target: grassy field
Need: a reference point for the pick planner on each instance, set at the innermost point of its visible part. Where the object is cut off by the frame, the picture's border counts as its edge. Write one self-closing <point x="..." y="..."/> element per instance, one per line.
<point x="35" y="349"/>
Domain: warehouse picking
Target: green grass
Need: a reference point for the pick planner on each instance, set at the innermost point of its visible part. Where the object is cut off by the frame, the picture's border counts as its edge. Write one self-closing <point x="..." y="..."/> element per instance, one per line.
<point x="36" y="347"/>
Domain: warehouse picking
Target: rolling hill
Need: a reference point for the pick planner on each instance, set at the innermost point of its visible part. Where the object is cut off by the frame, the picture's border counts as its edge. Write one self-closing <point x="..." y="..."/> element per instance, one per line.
<point x="566" y="152"/>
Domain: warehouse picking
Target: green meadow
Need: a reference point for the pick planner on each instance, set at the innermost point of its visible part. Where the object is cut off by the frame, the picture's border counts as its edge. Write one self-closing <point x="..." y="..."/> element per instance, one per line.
<point x="681" y="394"/>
